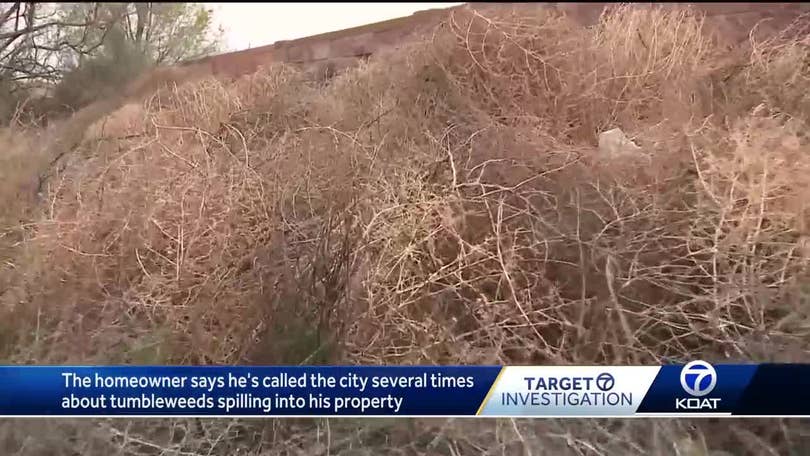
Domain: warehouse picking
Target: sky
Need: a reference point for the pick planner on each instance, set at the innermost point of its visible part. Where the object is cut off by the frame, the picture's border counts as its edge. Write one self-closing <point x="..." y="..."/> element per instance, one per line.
<point x="249" y="25"/>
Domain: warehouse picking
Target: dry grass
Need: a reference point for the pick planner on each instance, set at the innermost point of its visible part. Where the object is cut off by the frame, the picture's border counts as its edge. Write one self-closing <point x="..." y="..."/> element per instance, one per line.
<point x="443" y="204"/>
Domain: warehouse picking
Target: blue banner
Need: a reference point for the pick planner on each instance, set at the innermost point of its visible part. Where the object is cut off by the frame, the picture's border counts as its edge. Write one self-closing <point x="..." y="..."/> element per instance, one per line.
<point x="243" y="391"/>
<point x="695" y="389"/>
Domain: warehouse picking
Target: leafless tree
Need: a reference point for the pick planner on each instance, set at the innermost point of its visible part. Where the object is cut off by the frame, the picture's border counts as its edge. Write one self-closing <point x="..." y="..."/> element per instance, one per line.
<point x="33" y="37"/>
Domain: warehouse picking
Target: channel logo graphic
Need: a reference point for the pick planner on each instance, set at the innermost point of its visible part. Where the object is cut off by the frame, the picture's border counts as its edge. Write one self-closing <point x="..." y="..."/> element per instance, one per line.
<point x="605" y="381"/>
<point x="698" y="380"/>
<point x="569" y="391"/>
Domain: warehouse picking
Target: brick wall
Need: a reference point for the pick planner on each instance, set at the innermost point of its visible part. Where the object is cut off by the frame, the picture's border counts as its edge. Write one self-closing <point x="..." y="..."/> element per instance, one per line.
<point x="340" y="47"/>
<point x="732" y="21"/>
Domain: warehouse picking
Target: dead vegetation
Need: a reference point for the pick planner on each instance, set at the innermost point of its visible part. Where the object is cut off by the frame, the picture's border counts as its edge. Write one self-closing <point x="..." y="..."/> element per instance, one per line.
<point x="443" y="204"/>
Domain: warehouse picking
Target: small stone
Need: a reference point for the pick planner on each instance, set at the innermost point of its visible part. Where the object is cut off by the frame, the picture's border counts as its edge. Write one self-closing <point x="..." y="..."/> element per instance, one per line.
<point x="614" y="143"/>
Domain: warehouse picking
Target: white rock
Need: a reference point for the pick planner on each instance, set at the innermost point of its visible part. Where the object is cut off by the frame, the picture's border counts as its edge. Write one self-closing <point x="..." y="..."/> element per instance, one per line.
<point x="614" y="143"/>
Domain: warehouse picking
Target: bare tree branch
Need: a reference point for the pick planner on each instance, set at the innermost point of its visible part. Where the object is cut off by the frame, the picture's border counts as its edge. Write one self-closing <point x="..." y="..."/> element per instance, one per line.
<point x="45" y="42"/>
<point x="142" y="10"/>
<point x="30" y="8"/>
<point x="17" y="20"/>
<point x="30" y="29"/>
<point x="11" y="10"/>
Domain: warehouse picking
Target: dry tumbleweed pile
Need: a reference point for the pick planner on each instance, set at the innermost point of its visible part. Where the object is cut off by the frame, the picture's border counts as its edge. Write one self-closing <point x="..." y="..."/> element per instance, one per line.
<point x="448" y="203"/>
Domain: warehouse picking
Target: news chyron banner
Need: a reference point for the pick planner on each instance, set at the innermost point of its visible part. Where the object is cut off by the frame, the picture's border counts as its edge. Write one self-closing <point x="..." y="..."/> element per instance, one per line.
<point x="695" y="389"/>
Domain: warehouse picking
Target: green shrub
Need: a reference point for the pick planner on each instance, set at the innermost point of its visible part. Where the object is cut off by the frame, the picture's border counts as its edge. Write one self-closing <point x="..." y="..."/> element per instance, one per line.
<point x="97" y="77"/>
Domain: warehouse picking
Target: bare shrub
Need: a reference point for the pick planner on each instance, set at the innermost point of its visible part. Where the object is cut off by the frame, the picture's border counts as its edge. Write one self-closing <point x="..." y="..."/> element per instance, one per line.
<point x="104" y="75"/>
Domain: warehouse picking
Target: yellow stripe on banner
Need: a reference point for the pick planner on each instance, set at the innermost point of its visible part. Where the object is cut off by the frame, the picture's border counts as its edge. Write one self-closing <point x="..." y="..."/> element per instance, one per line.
<point x="489" y="393"/>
